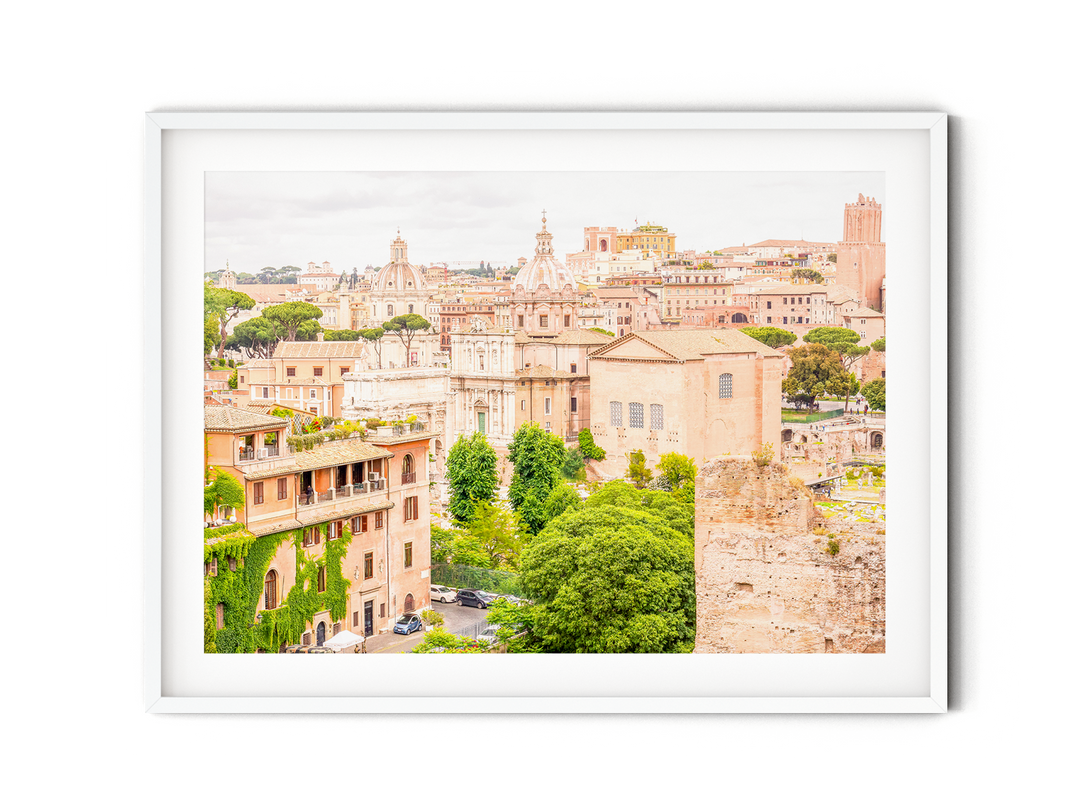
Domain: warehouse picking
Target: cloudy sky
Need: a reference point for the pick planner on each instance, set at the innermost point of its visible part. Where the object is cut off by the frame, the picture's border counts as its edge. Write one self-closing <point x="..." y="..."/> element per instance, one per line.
<point x="260" y="219"/>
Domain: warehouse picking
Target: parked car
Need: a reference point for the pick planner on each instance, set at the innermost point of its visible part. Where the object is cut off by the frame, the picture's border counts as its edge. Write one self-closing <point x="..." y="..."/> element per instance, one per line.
<point x="408" y="623"/>
<point x="440" y="593"/>
<point x="513" y="600"/>
<point x="320" y="650"/>
<point x="296" y="648"/>
<point x="477" y="599"/>
<point x="488" y="634"/>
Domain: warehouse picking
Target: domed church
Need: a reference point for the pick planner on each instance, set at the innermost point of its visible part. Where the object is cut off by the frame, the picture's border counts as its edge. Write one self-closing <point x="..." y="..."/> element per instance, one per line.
<point x="545" y="296"/>
<point x="399" y="287"/>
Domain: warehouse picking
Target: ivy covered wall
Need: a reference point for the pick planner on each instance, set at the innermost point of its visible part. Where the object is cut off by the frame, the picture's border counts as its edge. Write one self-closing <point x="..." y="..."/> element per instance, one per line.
<point x="240" y="591"/>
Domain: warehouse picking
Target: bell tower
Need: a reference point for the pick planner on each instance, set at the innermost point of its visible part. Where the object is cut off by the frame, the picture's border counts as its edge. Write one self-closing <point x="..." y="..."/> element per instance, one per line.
<point x="860" y="259"/>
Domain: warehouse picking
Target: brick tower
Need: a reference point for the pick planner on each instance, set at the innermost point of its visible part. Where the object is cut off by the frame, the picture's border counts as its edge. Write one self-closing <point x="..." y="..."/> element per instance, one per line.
<point x="860" y="259"/>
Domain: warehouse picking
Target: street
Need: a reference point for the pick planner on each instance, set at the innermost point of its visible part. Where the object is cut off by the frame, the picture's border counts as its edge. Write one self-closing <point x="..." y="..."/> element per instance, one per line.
<point x="460" y="620"/>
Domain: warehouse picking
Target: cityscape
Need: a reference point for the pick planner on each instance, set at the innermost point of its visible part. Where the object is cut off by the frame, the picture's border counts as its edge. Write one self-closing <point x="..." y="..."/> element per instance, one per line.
<point x="629" y="443"/>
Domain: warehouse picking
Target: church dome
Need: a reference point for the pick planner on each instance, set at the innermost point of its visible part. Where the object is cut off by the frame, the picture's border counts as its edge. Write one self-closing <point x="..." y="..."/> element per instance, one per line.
<point x="398" y="275"/>
<point x="544" y="268"/>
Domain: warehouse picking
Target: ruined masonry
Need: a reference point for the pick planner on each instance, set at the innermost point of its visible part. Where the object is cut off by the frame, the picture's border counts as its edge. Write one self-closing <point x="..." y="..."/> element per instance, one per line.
<point x="766" y="582"/>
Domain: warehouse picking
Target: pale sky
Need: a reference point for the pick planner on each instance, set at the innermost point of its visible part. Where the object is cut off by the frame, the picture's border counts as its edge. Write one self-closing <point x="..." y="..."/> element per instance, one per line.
<point x="260" y="219"/>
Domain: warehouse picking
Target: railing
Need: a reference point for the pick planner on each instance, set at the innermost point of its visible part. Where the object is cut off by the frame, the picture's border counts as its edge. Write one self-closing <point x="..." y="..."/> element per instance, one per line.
<point x="408" y="478"/>
<point x="410" y="427"/>
<point x="247" y="454"/>
<point x="338" y="493"/>
<point x="326" y="495"/>
<point x="306" y="499"/>
<point x="272" y="450"/>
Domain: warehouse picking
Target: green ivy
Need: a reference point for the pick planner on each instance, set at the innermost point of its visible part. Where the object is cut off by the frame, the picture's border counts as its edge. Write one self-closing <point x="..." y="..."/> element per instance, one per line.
<point x="241" y="590"/>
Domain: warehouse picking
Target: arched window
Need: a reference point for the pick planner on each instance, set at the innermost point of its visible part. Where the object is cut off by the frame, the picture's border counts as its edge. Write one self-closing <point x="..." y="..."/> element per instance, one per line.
<point x="270" y="591"/>
<point x="409" y="603"/>
<point x="410" y="306"/>
<point x="408" y="474"/>
<point x="390" y="310"/>
<point x="725" y="386"/>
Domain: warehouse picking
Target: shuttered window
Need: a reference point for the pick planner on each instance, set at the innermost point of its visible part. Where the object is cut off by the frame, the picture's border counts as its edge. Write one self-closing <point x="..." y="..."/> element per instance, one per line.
<point x="378" y="520"/>
<point x="257" y="489"/>
<point x="322" y="578"/>
<point x="369" y="565"/>
<point x="282" y="488"/>
<point x="408" y="555"/>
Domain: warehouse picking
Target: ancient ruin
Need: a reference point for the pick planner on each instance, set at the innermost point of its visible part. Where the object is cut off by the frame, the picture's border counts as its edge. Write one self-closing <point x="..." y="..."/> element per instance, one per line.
<point x="775" y="574"/>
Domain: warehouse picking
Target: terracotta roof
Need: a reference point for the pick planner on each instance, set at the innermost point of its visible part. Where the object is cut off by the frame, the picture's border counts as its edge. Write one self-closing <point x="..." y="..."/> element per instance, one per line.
<point x="330" y="454"/>
<point x="695" y="344"/>
<point x="793" y="289"/>
<point x="544" y="371"/>
<point x="304" y="381"/>
<point x="319" y="348"/>
<point x="224" y="419"/>
<point x="865" y="312"/>
<point x="349" y="508"/>
<point x="576" y="336"/>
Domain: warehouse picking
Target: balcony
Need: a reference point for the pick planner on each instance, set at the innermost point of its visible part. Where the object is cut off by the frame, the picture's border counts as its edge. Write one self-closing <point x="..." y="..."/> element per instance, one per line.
<point x="247" y="454"/>
<point x="340" y="493"/>
<point x="408" y="478"/>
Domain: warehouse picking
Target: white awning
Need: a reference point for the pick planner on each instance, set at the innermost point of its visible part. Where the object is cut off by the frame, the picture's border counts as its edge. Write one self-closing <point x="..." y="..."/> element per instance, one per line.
<point x="342" y="640"/>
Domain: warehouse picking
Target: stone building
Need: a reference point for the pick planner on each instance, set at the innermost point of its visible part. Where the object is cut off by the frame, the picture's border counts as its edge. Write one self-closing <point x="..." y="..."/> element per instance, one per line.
<point x="544" y="298"/>
<point x="766" y="582"/>
<point x="699" y="392"/>
<point x="375" y="491"/>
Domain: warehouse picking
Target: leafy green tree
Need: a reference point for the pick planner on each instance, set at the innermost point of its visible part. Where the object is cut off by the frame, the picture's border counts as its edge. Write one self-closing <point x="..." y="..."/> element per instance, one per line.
<point x="537" y="457"/>
<point x="771" y="336"/>
<point x="442" y="544"/>
<point x="808" y="273"/>
<point x="638" y="471"/>
<point x="496" y="531"/>
<point x="874" y="391"/>
<point x="610" y="580"/>
<point x="601" y="331"/>
<point x="561" y="499"/>
<point x="706" y="265"/>
<point x="573" y="464"/>
<point x="457" y="548"/>
<point x="472" y="476"/>
<point x="224" y="490"/>
<point x="680" y="471"/>
<point x="258" y="335"/>
<point x="816" y="370"/>
<point x="589" y="448"/>
<point x="405" y="327"/>
<point x="374" y="337"/>
<point x="211" y="334"/>
<point x="831" y="257"/>
<point x="843" y="341"/>
<point x="440" y="641"/>
<point x="224" y="305"/>
<point x="878" y="345"/>
<point x="290" y="316"/>
<point x="341" y="334"/>
<point x="851" y="388"/>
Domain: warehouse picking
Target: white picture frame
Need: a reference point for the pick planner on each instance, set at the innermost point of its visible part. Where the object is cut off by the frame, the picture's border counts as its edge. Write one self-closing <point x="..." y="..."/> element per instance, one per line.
<point x="911" y="147"/>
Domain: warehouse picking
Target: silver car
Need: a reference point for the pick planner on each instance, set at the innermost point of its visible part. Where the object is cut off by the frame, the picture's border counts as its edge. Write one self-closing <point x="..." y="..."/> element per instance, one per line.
<point x="440" y="593"/>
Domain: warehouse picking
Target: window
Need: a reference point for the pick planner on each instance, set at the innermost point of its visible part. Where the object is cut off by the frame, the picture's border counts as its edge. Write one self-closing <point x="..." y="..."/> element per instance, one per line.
<point x="266" y="393"/>
<point x="725" y="386"/>
<point x="322" y="579"/>
<point x="522" y="404"/>
<point x="547" y="406"/>
<point x="379" y="520"/>
<point x="270" y="591"/>
<point x="768" y="320"/>
<point x="410" y="305"/>
<point x="290" y="371"/>
<point x="521" y="320"/>
<point x="257" y="492"/>
<point x="543" y="321"/>
<point x="573" y="368"/>
<point x="412" y="508"/>
<point x="317" y="371"/>
<point x="334" y="530"/>
<point x="768" y="305"/>
<point x="656" y="417"/>
<point x="573" y="404"/>
<point x="232" y="563"/>
<point x="282" y="488"/>
<point x="343" y="369"/>
<point x="390" y="308"/>
<point x="220" y="611"/>
<point x="616" y="414"/>
<point x="213" y="566"/>
<point x="566" y="320"/>
<point x="311" y="394"/>
<point x="408" y="555"/>
<point x="369" y="564"/>
<point x="785" y="300"/>
<point x="785" y="320"/>
<point x="637" y="415"/>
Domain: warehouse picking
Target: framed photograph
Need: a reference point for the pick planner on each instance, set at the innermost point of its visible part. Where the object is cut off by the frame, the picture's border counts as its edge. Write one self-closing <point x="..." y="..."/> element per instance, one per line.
<point x="206" y="173"/>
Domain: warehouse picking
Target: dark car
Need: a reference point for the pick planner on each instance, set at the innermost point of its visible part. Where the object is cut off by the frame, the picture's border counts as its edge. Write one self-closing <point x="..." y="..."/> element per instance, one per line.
<point x="408" y="624"/>
<point x="478" y="599"/>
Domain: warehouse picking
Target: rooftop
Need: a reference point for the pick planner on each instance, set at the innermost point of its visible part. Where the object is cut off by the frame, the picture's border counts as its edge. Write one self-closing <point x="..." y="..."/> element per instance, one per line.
<point x="330" y="454"/>
<point x="696" y="344"/>
<point x="226" y="419"/>
<point x="319" y="348"/>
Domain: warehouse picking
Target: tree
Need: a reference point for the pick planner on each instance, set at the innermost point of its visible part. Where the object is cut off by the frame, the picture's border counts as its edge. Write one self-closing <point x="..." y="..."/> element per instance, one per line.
<point x="537" y="457"/>
<point x="771" y="336"/>
<point x="405" y="328"/>
<point x="561" y="499"/>
<point x="706" y="265"/>
<point x="807" y="273"/>
<point x="589" y="447"/>
<point x="816" y="370"/>
<point x="874" y="391"/>
<point x="224" y="305"/>
<point x="680" y="471"/>
<point x="471" y="472"/>
<point x="610" y="579"/>
<point x="289" y="316"/>
<point x="878" y="345"/>
<point x="638" y="471"/>
<point x="851" y="388"/>
<point x="843" y="341"/>
<point x="341" y="334"/>
<point x="440" y="641"/>
<point x="374" y="337"/>
<point x="211" y="334"/>
<point x="601" y="331"/>
<point x="496" y="531"/>
<point x="574" y="463"/>
<point x="224" y="490"/>
<point x="831" y="257"/>
<point x="258" y="335"/>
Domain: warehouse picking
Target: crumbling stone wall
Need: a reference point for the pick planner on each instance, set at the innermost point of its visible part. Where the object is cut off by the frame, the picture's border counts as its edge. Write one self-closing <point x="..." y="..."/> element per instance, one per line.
<point x="766" y="582"/>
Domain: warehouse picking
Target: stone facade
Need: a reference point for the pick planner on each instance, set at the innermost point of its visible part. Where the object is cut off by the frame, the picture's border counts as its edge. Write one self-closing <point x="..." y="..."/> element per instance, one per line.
<point x="766" y="582"/>
<point x="860" y="257"/>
